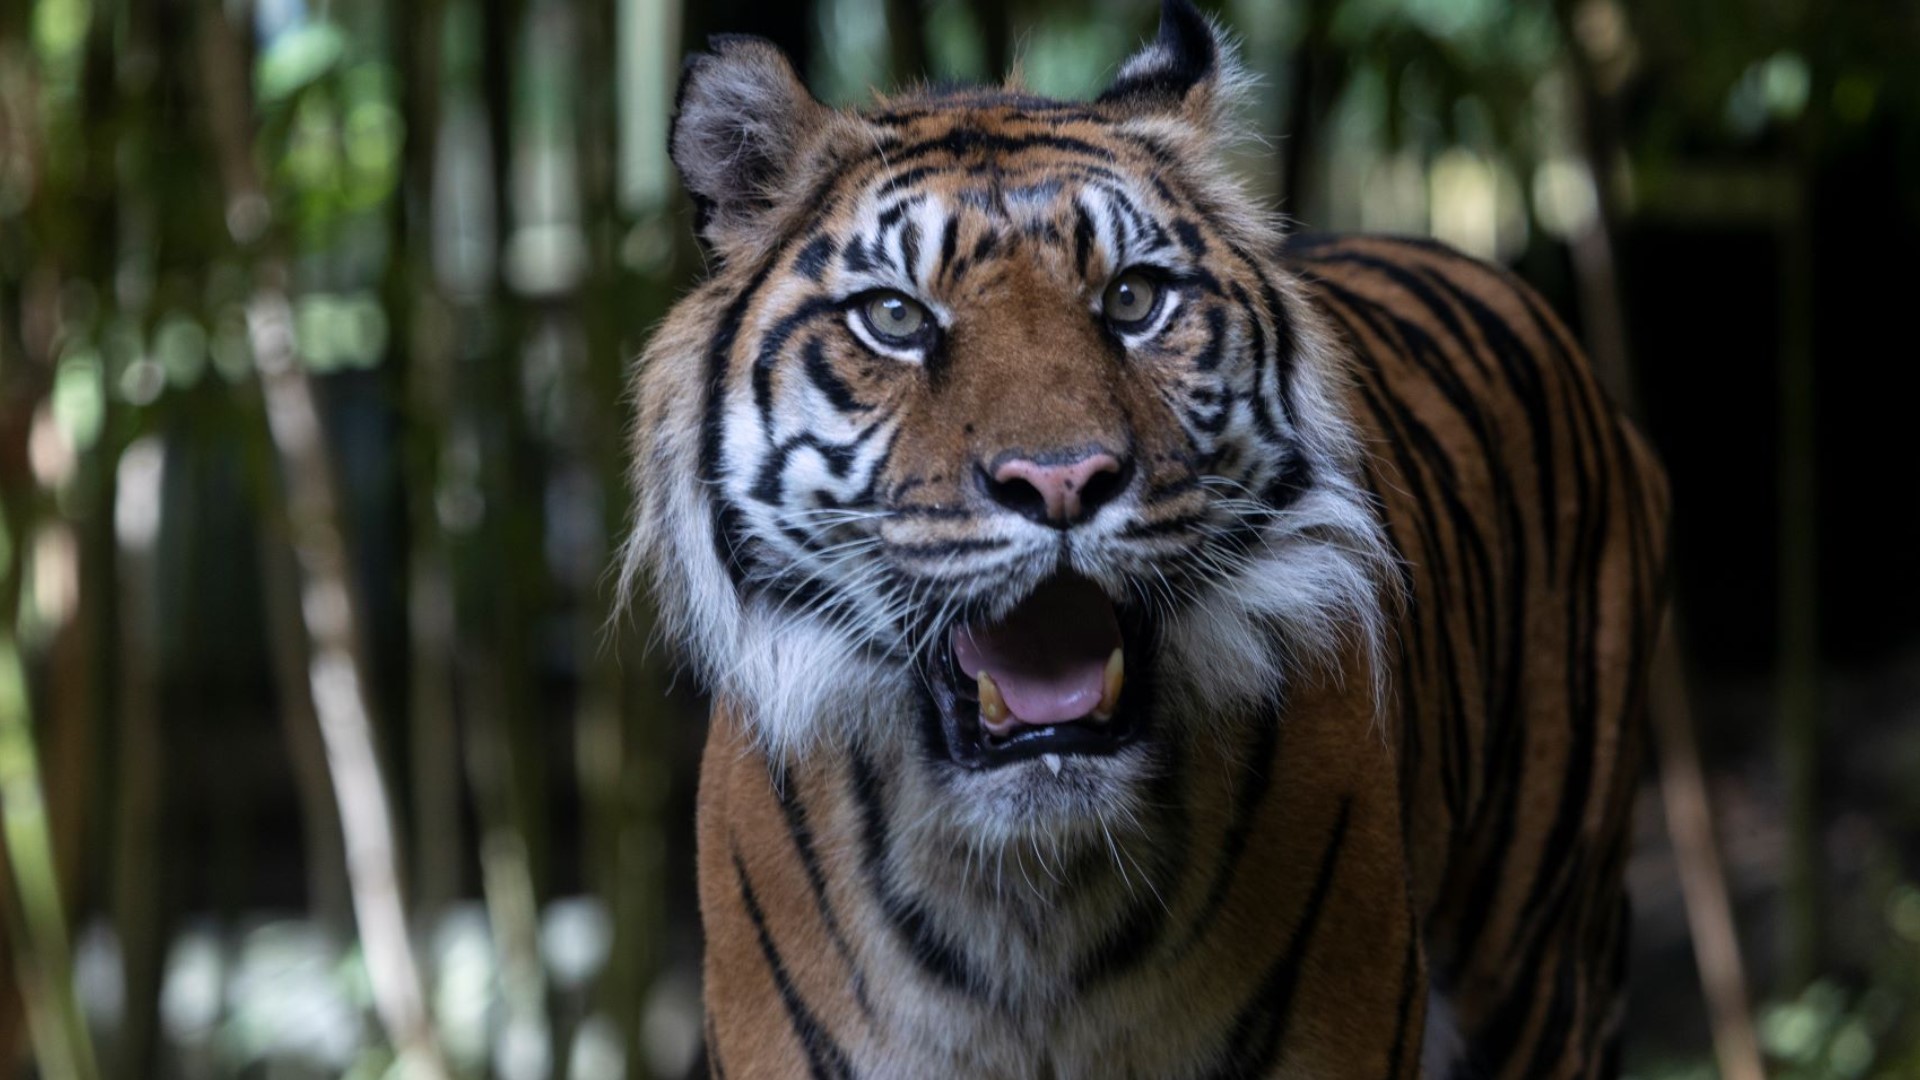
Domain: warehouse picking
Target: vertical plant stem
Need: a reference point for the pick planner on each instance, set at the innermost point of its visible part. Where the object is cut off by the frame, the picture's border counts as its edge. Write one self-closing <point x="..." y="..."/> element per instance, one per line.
<point x="1799" y="644"/>
<point x="504" y="604"/>
<point x="36" y="915"/>
<point x="336" y="675"/>
<point x="142" y="909"/>
<point x="620" y="762"/>
<point x="907" y="40"/>
<point x="419" y="361"/>
<point x="500" y="572"/>
<point x="138" y="908"/>
<point x="336" y="670"/>
<point x="1703" y="883"/>
<point x="1310" y="92"/>
<point x="320" y="823"/>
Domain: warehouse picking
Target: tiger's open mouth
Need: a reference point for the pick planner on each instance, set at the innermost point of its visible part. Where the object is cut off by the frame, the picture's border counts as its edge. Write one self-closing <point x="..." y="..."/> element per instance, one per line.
<point x="1049" y="679"/>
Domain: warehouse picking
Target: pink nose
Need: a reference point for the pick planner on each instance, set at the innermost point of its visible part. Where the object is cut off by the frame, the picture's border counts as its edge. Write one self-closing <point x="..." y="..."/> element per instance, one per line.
<point x="1057" y="493"/>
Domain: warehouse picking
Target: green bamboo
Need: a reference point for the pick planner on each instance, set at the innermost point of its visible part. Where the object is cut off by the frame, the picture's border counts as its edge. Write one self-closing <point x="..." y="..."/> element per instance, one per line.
<point x="36" y="917"/>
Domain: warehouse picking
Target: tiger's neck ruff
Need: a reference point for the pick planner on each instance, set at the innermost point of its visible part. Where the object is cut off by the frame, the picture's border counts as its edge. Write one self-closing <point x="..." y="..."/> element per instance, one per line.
<point x="1007" y="491"/>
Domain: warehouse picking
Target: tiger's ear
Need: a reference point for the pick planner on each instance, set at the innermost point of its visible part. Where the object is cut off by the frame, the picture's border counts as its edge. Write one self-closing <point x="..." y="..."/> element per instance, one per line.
<point x="1188" y="68"/>
<point x="741" y="122"/>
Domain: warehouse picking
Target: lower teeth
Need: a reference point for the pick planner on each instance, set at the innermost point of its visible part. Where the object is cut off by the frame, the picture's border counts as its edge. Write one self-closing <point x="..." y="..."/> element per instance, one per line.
<point x="1052" y="761"/>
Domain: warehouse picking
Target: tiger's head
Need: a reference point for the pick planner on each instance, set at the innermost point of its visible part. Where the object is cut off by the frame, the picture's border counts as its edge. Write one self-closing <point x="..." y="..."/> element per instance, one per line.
<point x="997" y="442"/>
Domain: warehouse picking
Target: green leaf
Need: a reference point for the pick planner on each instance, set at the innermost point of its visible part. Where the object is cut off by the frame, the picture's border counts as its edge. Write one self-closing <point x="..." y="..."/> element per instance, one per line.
<point x="298" y="58"/>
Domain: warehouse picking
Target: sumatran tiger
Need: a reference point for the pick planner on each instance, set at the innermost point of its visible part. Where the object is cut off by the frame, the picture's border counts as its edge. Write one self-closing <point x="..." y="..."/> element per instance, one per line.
<point x="1142" y="645"/>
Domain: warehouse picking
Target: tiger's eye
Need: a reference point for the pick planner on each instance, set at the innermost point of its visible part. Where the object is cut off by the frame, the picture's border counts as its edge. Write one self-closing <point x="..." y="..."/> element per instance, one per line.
<point x="895" y="317"/>
<point x="1130" y="299"/>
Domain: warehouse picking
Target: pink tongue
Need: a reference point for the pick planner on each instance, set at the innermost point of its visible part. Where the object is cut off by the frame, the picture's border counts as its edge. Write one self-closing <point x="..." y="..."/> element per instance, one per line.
<point x="1049" y="657"/>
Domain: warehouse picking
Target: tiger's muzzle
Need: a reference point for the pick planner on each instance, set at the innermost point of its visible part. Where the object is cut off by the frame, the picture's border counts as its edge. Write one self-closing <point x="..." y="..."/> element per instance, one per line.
<point x="1063" y="673"/>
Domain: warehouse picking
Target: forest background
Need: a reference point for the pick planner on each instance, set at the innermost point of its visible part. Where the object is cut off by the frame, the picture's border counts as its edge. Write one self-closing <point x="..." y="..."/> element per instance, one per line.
<point x="315" y="319"/>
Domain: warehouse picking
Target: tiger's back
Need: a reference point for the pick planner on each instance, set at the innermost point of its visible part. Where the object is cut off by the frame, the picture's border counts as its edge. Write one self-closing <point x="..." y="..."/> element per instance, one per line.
<point x="1530" y="519"/>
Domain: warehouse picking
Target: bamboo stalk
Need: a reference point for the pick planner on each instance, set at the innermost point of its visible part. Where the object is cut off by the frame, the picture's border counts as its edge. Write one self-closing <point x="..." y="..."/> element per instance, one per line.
<point x="336" y="676"/>
<point x="1798" y="695"/>
<point x="140" y="915"/>
<point x="330" y="610"/>
<point x="329" y="900"/>
<point x="1703" y="881"/>
<point x="35" y="913"/>
<point x="506" y="568"/>
<point x="907" y="41"/>
<point x="619" y="752"/>
<point x="418" y="363"/>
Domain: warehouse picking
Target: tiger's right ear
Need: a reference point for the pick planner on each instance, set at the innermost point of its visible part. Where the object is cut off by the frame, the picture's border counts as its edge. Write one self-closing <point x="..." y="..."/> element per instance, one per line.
<point x="740" y="123"/>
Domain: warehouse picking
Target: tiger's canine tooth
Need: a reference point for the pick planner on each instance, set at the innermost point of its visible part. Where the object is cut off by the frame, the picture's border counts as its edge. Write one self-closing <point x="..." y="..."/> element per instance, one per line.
<point x="1116" y="677"/>
<point x="1052" y="762"/>
<point x="993" y="707"/>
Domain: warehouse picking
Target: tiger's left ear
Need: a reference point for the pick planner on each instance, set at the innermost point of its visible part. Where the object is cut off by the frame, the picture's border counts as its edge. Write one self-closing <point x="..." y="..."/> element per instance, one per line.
<point x="1188" y="69"/>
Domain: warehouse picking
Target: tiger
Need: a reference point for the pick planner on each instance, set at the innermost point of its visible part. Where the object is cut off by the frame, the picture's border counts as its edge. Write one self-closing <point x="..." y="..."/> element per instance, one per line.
<point x="1142" y="642"/>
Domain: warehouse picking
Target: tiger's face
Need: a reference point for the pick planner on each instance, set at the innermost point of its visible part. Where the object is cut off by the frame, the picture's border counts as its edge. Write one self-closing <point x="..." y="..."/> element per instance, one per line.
<point x="998" y="444"/>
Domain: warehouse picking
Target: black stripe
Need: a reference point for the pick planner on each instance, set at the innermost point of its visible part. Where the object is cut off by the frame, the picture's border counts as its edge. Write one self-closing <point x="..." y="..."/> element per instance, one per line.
<point x="1082" y="238"/>
<point x="800" y="831"/>
<point x="719" y="351"/>
<point x="1147" y="530"/>
<point x="891" y="215"/>
<point x="909" y="919"/>
<point x="1215" y="348"/>
<point x="1495" y="602"/>
<point x="1190" y="237"/>
<point x="1467" y="564"/>
<point x="1247" y="802"/>
<point x="949" y="243"/>
<point x="1261" y="1027"/>
<point x="1556" y="1024"/>
<point x="1410" y="984"/>
<point x="910" y="247"/>
<point x="819" y="371"/>
<point x="908" y="178"/>
<point x="825" y="1059"/>
<point x="1143" y="224"/>
<point x="812" y="260"/>
<point x="775" y="343"/>
<point x="962" y="141"/>
<point x="1419" y="633"/>
<point x="769" y="485"/>
<point x="935" y="513"/>
<point x="715" y="1069"/>
<point x="933" y="549"/>
<point x="1141" y="928"/>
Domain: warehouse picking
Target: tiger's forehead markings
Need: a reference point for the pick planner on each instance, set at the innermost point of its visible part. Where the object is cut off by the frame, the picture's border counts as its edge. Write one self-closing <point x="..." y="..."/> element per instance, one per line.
<point x="1039" y="199"/>
<point x="968" y="130"/>
<point x="943" y="187"/>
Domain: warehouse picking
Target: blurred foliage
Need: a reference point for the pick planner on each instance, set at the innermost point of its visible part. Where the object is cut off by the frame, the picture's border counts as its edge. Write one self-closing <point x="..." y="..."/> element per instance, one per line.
<point x="466" y="205"/>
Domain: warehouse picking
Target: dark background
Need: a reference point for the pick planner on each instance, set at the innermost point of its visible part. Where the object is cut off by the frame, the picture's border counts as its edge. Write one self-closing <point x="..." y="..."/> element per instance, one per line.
<point x="440" y="230"/>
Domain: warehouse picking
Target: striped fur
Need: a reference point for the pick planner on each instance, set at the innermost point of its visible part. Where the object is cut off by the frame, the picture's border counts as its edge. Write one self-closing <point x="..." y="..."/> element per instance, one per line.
<point x="1399" y="557"/>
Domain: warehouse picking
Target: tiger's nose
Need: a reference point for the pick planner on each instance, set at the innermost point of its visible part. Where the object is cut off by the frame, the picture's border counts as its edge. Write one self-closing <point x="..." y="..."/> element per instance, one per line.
<point x="1059" y="493"/>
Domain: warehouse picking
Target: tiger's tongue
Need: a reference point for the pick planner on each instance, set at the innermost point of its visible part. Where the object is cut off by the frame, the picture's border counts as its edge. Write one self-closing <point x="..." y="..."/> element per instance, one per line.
<point x="1049" y="656"/>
